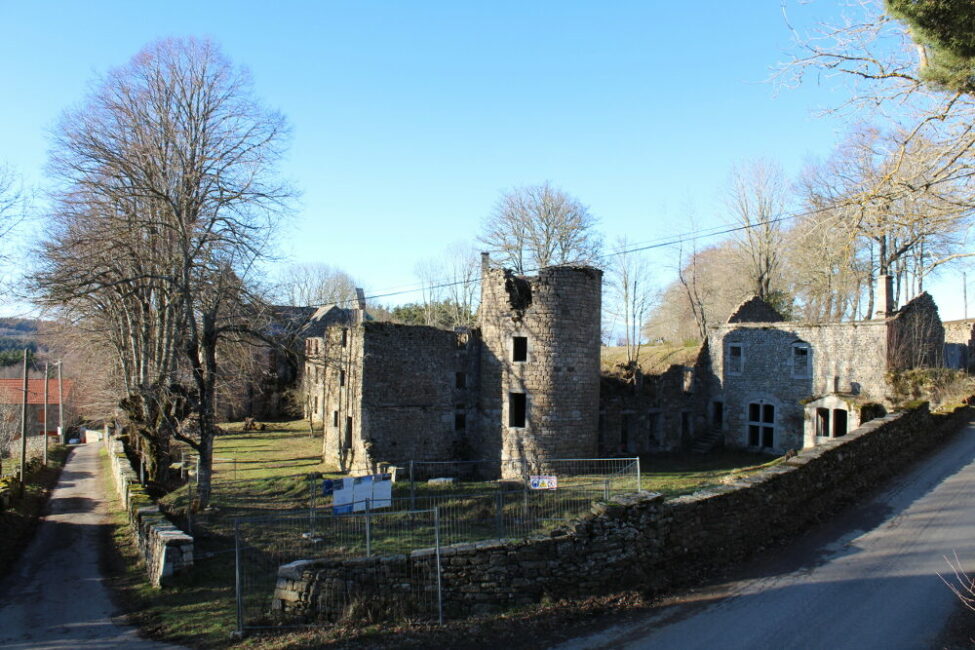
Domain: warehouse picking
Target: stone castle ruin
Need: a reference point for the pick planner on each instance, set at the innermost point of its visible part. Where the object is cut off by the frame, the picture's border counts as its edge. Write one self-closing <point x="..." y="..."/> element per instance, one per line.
<point x="520" y="388"/>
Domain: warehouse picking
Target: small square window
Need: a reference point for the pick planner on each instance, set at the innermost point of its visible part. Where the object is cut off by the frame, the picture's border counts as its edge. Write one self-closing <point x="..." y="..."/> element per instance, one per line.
<point x="519" y="348"/>
<point x="460" y="421"/>
<point x="517" y="409"/>
<point x="460" y="380"/>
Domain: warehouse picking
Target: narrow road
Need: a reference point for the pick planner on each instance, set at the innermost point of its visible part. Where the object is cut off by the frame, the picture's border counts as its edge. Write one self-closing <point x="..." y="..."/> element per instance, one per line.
<point x="869" y="579"/>
<point x="56" y="597"/>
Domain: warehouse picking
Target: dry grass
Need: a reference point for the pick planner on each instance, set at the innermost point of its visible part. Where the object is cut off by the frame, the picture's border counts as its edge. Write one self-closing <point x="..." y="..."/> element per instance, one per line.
<point x="654" y="359"/>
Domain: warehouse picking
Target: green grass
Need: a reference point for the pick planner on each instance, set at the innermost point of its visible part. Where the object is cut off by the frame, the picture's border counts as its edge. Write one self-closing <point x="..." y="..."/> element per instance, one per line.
<point x="270" y="478"/>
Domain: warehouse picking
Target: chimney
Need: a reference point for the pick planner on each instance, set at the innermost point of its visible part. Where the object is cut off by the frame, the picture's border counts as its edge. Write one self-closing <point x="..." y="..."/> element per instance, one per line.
<point x="485" y="262"/>
<point x="885" y="296"/>
<point x="360" y="296"/>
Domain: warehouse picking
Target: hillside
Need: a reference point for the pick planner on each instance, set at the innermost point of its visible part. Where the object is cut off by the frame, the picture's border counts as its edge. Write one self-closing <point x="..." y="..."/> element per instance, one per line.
<point x="654" y="359"/>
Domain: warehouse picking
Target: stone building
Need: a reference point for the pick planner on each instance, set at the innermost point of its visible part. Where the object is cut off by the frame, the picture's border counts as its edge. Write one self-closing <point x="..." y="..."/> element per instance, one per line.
<point x="776" y="385"/>
<point x="522" y="386"/>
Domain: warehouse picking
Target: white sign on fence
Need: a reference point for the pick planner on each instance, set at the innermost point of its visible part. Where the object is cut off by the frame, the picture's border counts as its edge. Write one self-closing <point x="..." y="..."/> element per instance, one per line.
<point x="352" y="494"/>
<point x="543" y="482"/>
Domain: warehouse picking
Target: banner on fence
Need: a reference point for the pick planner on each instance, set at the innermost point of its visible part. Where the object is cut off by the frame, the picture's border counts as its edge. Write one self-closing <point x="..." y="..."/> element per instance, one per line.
<point x="354" y="494"/>
<point x="543" y="482"/>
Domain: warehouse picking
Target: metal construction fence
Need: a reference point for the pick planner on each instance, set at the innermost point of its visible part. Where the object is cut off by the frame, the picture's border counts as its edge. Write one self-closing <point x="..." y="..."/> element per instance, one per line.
<point x="407" y="590"/>
<point x="365" y="554"/>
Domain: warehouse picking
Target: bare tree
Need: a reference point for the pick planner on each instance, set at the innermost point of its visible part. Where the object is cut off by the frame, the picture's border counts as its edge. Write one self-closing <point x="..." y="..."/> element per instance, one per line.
<point x="176" y="147"/>
<point x="449" y="286"/>
<point x="304" y="285"/>
<point x="536" y="226"/>
<point x="757" y="200"/>
<point x="633" y="296"/>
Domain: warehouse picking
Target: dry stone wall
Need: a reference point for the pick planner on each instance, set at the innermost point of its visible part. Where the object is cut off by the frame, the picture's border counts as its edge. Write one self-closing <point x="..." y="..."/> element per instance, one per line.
<point x="644" y="541"/>
<point x="166" y="549"/>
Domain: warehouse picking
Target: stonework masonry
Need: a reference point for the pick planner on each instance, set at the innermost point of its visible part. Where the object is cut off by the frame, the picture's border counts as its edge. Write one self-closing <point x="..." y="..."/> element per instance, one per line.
<point x="166" y="549"/>
<point x="641" y="541"/>
<point x="523" y="386"/>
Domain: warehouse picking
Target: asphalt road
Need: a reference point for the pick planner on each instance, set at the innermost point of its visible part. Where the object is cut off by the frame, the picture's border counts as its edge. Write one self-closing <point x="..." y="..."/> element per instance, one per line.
<point x="57" y="598"/>
<point x="869" y="579"/>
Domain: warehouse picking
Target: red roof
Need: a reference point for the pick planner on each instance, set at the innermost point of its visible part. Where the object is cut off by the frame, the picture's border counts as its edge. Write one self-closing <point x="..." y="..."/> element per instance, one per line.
<point x="12" y="391"/>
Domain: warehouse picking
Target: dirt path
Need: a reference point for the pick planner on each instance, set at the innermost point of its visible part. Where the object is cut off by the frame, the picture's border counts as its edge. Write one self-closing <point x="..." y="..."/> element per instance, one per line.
<point x="868" y="579"/>
<point x="56" y="597"/>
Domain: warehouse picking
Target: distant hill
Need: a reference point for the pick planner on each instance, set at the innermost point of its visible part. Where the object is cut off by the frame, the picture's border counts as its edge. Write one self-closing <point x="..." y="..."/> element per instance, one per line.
<point x="654" y="359"/>
<point x="15" y="335"/>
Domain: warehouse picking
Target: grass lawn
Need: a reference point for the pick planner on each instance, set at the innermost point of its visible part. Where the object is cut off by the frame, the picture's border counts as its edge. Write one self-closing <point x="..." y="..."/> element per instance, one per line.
<point x="264" y="473"/>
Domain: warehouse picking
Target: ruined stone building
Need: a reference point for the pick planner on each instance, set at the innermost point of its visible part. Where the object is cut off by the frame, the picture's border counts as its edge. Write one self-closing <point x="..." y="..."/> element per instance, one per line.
<point x="776" y="385"/>
<point x="523" y="385"/>
<point x="762" y="383"/>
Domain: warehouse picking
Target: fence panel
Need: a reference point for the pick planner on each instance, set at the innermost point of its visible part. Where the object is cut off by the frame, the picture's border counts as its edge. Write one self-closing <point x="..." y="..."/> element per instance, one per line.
<point x="406" y="589"/>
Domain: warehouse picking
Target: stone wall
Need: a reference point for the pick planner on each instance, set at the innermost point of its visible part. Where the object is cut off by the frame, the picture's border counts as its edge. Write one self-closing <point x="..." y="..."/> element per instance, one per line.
<point x="419" y="392"/>
<point x="557" y="312"/>
<point x="166" y="549"/>
<point x="644" y="541"/>
<point x="843" y="357"/>
<point x="960" y="344"/>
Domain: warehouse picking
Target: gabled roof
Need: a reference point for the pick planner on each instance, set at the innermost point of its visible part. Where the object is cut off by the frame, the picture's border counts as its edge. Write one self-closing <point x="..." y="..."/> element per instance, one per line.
<point x="12" y="391"/>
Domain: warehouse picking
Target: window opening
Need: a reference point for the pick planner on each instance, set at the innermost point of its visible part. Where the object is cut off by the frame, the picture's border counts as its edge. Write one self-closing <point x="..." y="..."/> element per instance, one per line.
<point x="735" y="361"/>
<point x="348" y="432"/>
<point x="800" y="360"/>
<point x="519" y="348"/>
<point x="822" y="423"/>
<point x="517" y="409"/>
<point x="717" y="415"/>
<point x="460" y="421"/>
<point x="335" y="418"/>
<point x="839" y="422"/>
<point x="460" y="380"/>
<point x="345" y="336"/>
<point x="341" y="378"/>
<point x="761" y="425"/>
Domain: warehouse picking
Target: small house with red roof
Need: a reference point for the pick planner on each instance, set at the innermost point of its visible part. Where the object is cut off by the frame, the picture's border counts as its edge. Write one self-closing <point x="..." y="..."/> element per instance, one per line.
<point x="12" y="395"/>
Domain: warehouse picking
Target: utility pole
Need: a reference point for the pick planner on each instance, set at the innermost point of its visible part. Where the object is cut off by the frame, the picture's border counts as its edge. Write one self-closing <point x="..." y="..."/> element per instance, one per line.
<point x="61" y="434"/>
<point x="23" y="431"/>
<point x="44" y="428"/>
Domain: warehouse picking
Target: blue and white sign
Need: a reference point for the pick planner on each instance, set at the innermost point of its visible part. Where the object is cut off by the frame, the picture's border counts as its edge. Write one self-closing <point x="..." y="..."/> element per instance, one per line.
<point x="543" y="482"/>
<point x="357" y="493"/>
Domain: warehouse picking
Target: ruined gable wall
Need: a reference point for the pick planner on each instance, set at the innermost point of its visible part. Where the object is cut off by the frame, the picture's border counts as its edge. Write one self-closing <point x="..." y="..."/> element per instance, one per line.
<point x="559" y="313"/>
<point x="853" y="353"/>
<point x="916" y="335"/>
<point x="410" y="397"/>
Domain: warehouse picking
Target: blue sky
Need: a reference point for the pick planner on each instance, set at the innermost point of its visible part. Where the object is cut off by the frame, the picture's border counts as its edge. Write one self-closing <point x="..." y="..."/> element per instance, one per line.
<point x="409" y="118"/>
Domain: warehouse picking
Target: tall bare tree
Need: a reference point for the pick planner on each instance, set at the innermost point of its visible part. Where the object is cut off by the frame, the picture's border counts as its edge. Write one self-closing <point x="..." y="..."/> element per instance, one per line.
<point x="175" y="145"/>
<point x="757" y="199"/>
<point x="304" y="285"/>
<point x="536" y="226"/>
<point x="633" y="295"/>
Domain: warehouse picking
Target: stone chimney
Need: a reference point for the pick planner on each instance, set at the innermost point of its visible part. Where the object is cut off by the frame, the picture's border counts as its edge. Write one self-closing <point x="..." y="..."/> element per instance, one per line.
<point x="885" y="296"/>
<point x="360" y="297"/>
<point x="485" y="262"/>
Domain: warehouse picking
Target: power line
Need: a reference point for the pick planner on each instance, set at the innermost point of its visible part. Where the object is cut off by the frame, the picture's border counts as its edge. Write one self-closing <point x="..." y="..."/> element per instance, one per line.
<point x="653" y="244"/>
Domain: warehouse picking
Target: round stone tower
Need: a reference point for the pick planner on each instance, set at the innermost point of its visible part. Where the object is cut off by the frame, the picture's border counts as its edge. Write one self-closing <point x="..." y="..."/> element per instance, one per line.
<point x="539" y="366"/>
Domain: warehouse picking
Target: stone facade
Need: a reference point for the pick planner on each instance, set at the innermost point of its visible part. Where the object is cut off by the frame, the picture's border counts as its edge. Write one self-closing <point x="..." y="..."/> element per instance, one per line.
<point x="960" y="344"/>
<point x="523" y="386"/>
<point x="641" y="541"/>
<point x="762" y="374"/>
